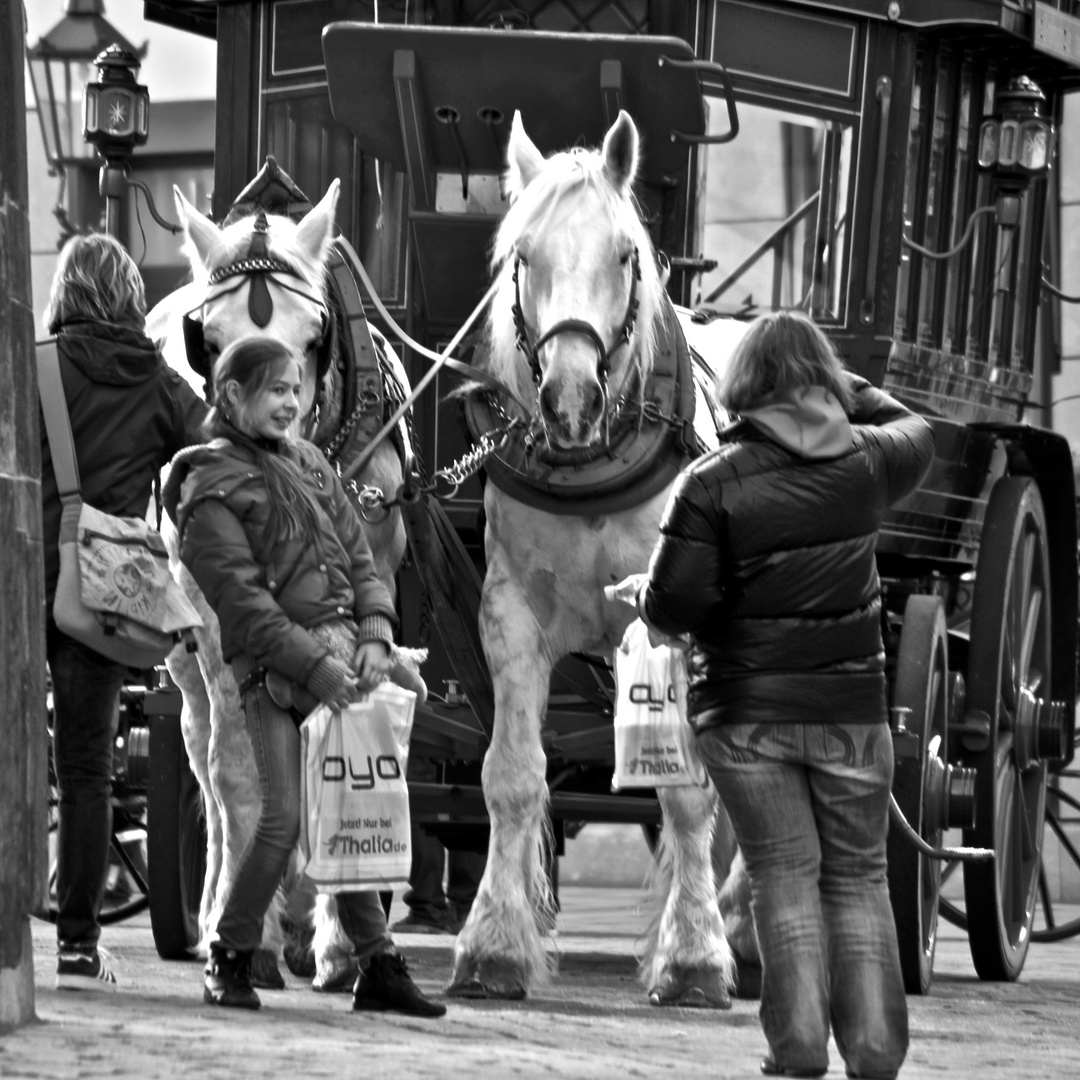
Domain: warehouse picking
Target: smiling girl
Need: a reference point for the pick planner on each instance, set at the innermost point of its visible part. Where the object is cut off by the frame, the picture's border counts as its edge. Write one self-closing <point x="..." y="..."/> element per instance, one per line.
<point x="271" y="539"/>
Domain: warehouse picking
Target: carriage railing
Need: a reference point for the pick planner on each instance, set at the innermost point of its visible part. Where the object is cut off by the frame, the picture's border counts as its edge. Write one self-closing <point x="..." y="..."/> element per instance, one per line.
<point x="775" y="243"/>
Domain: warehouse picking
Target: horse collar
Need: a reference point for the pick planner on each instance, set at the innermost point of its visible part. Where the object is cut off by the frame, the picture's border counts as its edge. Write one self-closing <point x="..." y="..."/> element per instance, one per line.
<point x="577" y="326"/>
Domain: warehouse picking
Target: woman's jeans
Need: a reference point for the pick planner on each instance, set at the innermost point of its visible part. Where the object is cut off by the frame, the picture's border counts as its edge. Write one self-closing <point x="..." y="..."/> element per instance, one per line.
<point x="809" y="804"/>
<point x="275" y="741"/>
<point x="86" y="713"/>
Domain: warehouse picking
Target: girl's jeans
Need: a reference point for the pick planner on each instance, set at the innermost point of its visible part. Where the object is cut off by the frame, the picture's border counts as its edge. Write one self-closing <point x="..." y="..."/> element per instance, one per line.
<point x="86" y="711"/>
<point x="275" y="741"/>
<point x="809" y="804"/>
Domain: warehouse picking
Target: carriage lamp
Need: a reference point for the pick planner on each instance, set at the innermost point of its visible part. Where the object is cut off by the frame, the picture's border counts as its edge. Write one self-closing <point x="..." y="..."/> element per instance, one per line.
<point x="1016" y="141"/>
<point x="59" y="64"/>
<point x="116" y="119"/>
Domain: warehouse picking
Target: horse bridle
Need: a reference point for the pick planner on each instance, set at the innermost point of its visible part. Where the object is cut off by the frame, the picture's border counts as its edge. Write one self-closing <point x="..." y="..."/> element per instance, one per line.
<point x="577" y="326"/>
<point x="256" y="266"/>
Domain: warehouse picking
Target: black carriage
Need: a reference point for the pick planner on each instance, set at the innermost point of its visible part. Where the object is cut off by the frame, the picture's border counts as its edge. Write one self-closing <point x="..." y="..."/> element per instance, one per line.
<point x="902" y="158"/>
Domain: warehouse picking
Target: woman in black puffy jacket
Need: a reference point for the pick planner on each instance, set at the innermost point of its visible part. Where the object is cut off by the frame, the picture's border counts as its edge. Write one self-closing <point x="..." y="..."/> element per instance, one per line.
<point x="766" y="559"/>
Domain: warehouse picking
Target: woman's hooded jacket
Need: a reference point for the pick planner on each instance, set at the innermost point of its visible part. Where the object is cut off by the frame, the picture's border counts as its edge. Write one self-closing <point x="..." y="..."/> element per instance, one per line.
<point x="766" y="557"/>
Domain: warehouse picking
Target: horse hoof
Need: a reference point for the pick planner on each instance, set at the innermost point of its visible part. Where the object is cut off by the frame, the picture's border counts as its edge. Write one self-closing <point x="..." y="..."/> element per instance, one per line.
<point x="264" y="971"/>
<point x="338" y="979"/>
<point x="487" y="979"/>
<point x="475" y="990"/>
<point x="300" y="960"/>
<point x="747" y="979"/>
<point x="691" y="988"/>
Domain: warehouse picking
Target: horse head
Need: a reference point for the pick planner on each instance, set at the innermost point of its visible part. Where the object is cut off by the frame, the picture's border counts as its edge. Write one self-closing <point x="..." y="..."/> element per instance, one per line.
<point x="579" y="290"/>
<point x="261" y="274"/>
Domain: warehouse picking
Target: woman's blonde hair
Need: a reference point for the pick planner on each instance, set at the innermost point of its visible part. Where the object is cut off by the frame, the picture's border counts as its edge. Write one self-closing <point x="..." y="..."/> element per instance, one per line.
<point x="252" y="363"/>
<point x="96" y="279"/>
<point x="782" y="351"/>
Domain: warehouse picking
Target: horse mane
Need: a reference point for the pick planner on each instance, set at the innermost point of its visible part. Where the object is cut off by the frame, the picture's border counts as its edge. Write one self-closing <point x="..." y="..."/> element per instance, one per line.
<point x="566" y="175"/>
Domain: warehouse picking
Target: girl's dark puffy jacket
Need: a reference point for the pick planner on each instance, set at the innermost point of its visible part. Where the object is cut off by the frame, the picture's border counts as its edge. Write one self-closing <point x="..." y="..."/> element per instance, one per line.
<point x="766" y="557"/>
<point x="266" y="593"/>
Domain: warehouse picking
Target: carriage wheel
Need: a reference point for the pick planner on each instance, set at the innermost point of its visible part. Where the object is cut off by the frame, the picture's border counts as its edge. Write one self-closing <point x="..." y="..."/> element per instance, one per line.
<point x="919" y="785"/>
<point x="1008" y="676"/>
<point x="176" y="827"/>
<point x="1061" y="807"/>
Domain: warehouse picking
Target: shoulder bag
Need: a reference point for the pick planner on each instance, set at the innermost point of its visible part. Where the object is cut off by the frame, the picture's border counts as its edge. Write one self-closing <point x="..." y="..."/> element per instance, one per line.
<point x="115" y="592"/>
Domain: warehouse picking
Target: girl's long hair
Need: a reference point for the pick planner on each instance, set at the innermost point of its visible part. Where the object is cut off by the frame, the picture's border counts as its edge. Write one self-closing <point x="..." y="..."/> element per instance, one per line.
<point x="782" y="351"/>
<point x="96" y="279"/>
<point x="251" y="363"/>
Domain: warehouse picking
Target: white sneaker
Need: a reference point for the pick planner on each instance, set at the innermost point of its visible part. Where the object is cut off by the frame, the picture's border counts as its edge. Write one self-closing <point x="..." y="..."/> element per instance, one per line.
<point x="84" y="971"/>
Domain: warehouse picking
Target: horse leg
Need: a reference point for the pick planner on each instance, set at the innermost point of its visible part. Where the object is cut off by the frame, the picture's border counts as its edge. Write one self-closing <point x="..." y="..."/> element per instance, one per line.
<point x="500" y="953"/>
<point x="235" y="783"/>
<point x="195" y="727"/>
<point x="688" y="960"/>
<point x="734" y="901"/>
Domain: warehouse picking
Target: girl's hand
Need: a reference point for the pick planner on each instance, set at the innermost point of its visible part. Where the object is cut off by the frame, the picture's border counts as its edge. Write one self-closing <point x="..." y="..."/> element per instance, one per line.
<point x="345" y="694"/>
<point x="372" y="664"/>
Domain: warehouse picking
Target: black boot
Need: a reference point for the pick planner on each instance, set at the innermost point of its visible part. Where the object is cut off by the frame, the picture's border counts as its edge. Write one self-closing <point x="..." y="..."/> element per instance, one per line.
<point x="385" y="985"/>
<point x="228" y="979"/>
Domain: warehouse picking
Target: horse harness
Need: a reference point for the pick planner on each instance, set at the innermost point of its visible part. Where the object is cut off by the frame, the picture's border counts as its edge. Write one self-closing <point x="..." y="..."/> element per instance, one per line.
<point x="650" y="434"/>
<point x="370" y="384"/>
<point x="577" y="326"/>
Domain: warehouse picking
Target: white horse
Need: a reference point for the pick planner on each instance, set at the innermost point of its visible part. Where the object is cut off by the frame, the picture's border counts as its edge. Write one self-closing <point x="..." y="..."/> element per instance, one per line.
<point x="266" y="274"/>
<point x="578" y="325"/>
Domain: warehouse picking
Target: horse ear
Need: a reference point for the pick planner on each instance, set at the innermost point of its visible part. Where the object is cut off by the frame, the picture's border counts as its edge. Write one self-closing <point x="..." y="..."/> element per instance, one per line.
<point x="204" y="241"/>
<point x="315" y="233"/>
<point x="523" y="159"/>
<point x="621" y="151"/>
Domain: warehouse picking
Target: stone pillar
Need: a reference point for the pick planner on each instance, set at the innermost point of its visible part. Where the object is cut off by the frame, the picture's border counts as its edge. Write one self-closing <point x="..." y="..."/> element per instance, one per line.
<point x="23" y="748"/>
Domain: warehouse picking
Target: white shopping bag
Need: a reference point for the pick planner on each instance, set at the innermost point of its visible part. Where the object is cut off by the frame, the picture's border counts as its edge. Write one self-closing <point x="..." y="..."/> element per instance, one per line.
<point x="354" y="827"/>
<point x="654" y="743"/>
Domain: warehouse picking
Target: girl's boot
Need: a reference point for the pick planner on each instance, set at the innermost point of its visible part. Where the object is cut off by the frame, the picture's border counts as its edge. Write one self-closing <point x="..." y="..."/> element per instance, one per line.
<point x="228" y="979"/>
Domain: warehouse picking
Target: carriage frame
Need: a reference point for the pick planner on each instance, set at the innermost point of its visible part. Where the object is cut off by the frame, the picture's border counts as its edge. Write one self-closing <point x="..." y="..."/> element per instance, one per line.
<point x="981" y="559"/>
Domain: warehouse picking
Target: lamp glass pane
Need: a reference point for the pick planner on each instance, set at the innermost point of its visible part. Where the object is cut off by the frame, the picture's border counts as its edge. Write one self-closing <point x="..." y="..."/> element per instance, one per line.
<point x="988" y="144"/>
<point x="1034" y="145"/>
<point x="1010" y="142"/>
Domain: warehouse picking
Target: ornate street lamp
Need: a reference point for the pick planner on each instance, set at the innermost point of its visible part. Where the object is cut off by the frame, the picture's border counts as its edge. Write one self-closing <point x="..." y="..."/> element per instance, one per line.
<point x="59" y="67"/>
<point x="116" y="119"/>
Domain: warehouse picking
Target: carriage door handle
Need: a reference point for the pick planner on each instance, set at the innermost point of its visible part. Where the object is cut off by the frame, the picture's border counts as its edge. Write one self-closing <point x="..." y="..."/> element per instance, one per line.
<point x="729" y="96"/>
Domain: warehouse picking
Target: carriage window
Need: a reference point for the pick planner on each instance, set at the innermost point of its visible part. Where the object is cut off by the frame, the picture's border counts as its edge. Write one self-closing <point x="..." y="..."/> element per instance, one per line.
<point x="773" y="213"/>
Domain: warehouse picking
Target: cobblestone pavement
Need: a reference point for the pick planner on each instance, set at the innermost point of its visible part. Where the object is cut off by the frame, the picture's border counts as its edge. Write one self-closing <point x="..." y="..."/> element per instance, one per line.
<point x="593" y="1021"/>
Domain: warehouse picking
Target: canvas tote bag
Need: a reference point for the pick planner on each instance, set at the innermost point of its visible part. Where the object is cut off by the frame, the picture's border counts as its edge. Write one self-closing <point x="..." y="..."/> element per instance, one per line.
<point x="114" y="593"/>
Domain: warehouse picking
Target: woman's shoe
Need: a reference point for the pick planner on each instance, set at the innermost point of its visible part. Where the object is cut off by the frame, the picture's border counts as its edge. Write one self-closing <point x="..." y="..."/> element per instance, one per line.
<point x="770" y="1068"/>
<point x="228" y="979"/>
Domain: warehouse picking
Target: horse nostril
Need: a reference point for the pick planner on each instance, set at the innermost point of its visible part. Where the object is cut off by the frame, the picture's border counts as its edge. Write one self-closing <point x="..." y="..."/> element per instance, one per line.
<point x="548" y="408"/>
<point x="596" y="402"/>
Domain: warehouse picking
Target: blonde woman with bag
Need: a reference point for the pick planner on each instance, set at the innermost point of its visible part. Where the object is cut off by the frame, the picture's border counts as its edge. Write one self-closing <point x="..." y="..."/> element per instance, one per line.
<point x="130" y="413"/>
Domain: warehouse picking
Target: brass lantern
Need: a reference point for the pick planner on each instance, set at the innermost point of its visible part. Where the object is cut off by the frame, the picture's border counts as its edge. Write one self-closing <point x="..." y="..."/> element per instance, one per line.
<point x="116" y="109"/>
<point x="1016" y="142"/>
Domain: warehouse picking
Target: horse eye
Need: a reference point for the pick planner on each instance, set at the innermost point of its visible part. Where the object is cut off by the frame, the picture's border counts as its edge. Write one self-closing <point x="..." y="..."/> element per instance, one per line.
<point x="521" y="259"/>
<point x="624" y="259"/>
